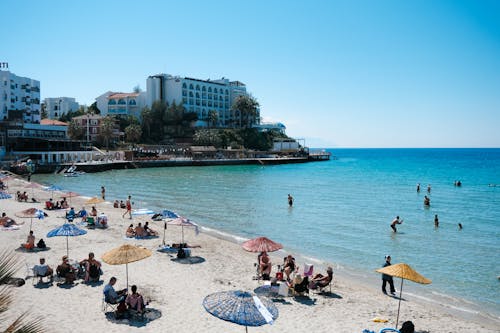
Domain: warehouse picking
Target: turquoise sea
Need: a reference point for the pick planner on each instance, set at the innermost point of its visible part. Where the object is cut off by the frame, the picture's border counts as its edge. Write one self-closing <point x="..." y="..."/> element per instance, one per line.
<point x="343" y="209"/>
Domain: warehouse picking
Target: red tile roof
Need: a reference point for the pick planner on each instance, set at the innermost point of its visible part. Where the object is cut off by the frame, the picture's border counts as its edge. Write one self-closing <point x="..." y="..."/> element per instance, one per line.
<point x="53" y="122"/>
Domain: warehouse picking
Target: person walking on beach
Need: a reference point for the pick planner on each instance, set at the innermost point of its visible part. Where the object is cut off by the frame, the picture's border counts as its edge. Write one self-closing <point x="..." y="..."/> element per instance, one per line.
<point x="103" y="193"/>
<point x="394" y="222"/>
<point x="436" y="221"/>
<point x="128" y="207"/>
<point x="290" y="200"/>
<point x="387" y="278"/>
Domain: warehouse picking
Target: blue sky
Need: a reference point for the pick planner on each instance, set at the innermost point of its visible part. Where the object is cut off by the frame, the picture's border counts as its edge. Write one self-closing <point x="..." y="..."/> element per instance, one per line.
<point x="337" y="73"/>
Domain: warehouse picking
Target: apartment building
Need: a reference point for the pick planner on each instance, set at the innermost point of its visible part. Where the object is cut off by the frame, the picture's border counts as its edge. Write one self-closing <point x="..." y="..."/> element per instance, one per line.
<point x="19" y="98"/>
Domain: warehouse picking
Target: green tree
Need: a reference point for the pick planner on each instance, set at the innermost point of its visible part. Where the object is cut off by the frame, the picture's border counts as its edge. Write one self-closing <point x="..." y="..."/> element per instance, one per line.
<point x="213" y="116"/>
<point x="106" y="130"/>
<point x="94" y="109"/>
<point x="44" y="114"/>
<point x="9" y="265"/>
<point x="147" y="122"/>
<point x="158" y="110"/>
<point x="137" y="89"/>
<point x="133" y="133"/>
<point x="247" y="107"/>
<point x="75" y="131"/>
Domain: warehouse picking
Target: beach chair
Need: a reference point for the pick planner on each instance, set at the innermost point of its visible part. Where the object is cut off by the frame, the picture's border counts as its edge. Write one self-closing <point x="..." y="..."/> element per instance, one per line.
<point x="106" y="306"/>
<point x="308" y="270"/>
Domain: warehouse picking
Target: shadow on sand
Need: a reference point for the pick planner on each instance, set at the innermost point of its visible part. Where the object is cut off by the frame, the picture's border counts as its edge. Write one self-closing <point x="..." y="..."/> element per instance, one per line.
<point x="134" y="320"/>
<point x="189" y="260"/>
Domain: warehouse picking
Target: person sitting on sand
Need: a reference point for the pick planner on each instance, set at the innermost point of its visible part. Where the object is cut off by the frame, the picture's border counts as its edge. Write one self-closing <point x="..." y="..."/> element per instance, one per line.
<point x="66" y="271"/>
<point x="83" y="214"/>
<point x="6" y="221"/>
<point x="49" y="204"/>
<point x="288" y="265"/>
<point x="116" y="204"/>
<point x="139" y="231"/>
<point x="122" y="204"/>
<point x="93" y="211"/>
<point x="320" y="281"/>
<point x="149" y="231"/>
<point x="265" y="267"/>
<point x="42" y="270"/>
<point x="130" y="231"/>
<point x="92" y="268"/>
<point x="103" y="220"/>
<point x="299" y="285"/>
<point x="30" y="242"/>
<point x="394" y="222"/>
<point x="112" y="296"/>
<point x="57" y="205"/>
<point x="64" y="204"/>
<point x="135" y="301"/>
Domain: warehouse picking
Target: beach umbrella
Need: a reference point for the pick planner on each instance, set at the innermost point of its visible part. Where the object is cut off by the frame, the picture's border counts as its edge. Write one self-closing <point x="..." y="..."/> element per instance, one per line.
<point x="241" y="307"/>
<point x="94" y="201"/>
<point x="125" y="254"/>
<point x="31" y="213"/>
<point x="53" y="188"/>
<point x="168" y="214"/>
<point x="182" y="222"/>
<point x="405" y="272"/>
<point x="69" y="195"/>
<point x="261" y="244"/>
<point x="68" y="230"/>
<point x="32" y="186"/>
<point x="5" y="195"/>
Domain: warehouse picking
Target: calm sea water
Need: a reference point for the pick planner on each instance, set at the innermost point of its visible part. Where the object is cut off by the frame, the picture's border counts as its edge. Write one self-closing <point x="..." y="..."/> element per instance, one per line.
<point x="343" y="209"/>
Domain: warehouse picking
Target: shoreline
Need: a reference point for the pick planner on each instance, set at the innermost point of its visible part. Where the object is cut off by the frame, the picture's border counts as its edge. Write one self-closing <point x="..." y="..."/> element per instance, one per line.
<point x="233" y="272"/>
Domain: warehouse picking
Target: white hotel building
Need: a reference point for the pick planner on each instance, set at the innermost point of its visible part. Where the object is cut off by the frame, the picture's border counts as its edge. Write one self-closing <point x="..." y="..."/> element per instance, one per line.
<point x="19" y="97"/>
<point x="116" y="103"/>
<point x="200" y="96"/>
<point x="58" y="106"/>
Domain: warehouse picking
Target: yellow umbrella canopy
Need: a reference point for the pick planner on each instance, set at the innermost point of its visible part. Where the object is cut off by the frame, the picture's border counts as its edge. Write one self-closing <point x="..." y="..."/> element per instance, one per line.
<point x="94" y="201"/>
<point x="125" y="254"/>
<point x="404" y="271"/>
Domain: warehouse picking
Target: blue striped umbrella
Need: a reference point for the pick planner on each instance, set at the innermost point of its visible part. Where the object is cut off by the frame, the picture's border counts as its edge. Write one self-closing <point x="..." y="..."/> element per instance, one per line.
<point x="68" y="230"/>
<point x="241" y="307"/>
<point x="5" y="195"/>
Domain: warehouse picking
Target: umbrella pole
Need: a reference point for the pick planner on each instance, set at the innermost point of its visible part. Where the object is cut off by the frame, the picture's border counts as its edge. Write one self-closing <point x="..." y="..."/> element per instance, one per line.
<point x="126" y="268"/>
<point x="31" y="223"/>
<point x="67" y="246"/>
<point x="164" y="229"/>
<point x="182" y="228"/>
<point x="399" y="304"/>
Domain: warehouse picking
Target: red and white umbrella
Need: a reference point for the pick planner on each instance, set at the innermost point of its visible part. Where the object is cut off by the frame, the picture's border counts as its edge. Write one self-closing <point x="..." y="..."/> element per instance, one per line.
<point x="261" y="244"/>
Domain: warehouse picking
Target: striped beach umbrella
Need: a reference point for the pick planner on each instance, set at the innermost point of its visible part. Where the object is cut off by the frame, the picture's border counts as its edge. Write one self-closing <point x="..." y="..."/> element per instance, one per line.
<point x="68" y="230"/>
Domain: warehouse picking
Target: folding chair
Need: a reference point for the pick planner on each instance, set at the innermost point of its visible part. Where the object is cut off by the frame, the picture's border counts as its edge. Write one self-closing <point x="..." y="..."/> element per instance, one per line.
<point x="106" y="305"/>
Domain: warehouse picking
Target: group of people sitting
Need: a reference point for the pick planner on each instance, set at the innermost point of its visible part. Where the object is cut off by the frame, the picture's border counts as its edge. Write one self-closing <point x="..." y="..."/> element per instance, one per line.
<point x="140" y="231"/>
<point x="120" y="204"/>
<point x="133" y="301"/>
<point x="298" y="283"/>
<point x="89" y="269"/>
<point x="22" y="196"/>
<point x="50" y="205"/>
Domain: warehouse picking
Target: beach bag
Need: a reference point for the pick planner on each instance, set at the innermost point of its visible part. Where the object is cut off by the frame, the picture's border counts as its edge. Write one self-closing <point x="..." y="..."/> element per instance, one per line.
<point x="41" y="244"/>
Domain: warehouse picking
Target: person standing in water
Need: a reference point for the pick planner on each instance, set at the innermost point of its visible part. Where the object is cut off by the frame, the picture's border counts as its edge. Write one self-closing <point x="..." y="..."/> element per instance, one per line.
<point x="103" y="193"/>
<point x="429" y="188"/>
<point x="394" y="222"/>
<point x="418" y="188"/>
<point x="290" y="200"/>
<point x="436" y="221"/>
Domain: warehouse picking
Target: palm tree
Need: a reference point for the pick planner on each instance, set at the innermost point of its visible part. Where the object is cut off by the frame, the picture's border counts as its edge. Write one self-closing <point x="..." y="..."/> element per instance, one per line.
<point x="213" y="116"/>
<point x="8" y="266"/>
<point x="147" y="121"/>
<point x="133" y="133"/>
<point x="106" y="129"/>
<point x="248" y="110"/>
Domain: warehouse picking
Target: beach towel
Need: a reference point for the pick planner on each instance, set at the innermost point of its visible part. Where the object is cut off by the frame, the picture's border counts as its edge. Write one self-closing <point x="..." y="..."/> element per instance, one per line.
<point x="10" y="228"/>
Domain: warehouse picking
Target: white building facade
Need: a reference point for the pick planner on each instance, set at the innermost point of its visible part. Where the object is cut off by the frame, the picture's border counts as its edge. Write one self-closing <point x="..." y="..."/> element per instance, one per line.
<point x="117" y="103"/>
<point x="199" y="96"/>
<point x="58" y="106"/>
<point x="19" y="97"/>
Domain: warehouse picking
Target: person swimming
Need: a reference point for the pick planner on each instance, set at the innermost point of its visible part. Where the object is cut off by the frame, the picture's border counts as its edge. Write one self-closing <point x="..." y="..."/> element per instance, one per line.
<point x="460" y="226"/>
<point x="427" y="201"/>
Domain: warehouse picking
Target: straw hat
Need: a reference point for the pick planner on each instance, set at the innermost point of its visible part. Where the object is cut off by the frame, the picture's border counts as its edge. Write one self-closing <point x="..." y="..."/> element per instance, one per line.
<point x="298" y="279"/>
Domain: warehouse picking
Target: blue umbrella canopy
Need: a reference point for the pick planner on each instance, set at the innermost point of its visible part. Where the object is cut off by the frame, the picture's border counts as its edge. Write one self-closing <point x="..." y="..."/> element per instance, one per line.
<point x="168" y="214"/>
<point x="5" y="195"/>
<point x="68" y="230"/>
<point x="241" y="307"/>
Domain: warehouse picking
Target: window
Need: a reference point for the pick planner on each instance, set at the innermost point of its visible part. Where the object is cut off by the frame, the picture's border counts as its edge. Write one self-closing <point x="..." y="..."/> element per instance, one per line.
<point x="197" y="95"/>
<point x="216" y="104"/>
<point x="191" y="94"/>
<point x="209" y="89"/>
<point x="132" y="102"/>
<point x="215" y="91"/>
<point x="184" y="92"/>
<point x="209" y="96"/>
<point x="191" y="86"/>
<point x="203" y="88"/>
<point x="220" y="98"/>
<point x="227" y="92"/>
<point x="184" y="85"/>
<point x="184" y="100"/>
<point x="191" y="101"/>
<point x="121" y="101"/>
<point x="204" y="103"/>
<point x="204" y="95"/>
<point x="110" y="102"/>
<point x="197" y="87"/>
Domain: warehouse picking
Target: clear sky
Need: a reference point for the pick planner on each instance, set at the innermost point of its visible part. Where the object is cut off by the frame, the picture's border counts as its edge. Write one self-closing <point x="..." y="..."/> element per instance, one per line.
<point x="347" y="73"/>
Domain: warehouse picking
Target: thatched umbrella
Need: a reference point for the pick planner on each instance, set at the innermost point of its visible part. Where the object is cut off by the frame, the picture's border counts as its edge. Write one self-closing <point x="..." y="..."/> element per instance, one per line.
<point x="125" y="254"/>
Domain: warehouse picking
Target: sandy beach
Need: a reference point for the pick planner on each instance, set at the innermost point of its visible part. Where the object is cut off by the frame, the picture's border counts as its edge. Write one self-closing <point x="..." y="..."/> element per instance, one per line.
<point x="176" y="290"/>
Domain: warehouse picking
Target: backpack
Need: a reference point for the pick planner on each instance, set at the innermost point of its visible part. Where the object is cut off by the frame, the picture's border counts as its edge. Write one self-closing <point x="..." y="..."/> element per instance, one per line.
<point x="41" y="244"/>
